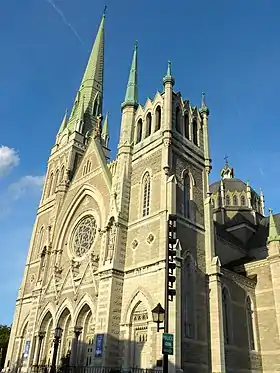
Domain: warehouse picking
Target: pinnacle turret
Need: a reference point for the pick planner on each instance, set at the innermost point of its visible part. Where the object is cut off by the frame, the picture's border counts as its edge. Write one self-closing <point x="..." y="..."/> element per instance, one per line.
<point x="105" y="131"/>
<point x="91" y="88"/>
<point x="131" y="96"/>
<point x="168" y="77"/>
<point x="273" y="231"/>
<point x="63" y="123"/>
<point x="204" y="108"/>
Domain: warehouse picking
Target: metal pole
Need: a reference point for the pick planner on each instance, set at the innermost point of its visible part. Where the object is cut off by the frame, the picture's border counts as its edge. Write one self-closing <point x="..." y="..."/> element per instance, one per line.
<point x="166" y="302"/>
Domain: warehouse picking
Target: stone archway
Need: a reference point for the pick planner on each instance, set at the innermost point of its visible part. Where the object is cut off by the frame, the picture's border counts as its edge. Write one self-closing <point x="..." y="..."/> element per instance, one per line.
<point x="64" y="322"/>
<point x="85" y="328"/>
<point x="139" y="332"/>
<point x="46" y="330"/>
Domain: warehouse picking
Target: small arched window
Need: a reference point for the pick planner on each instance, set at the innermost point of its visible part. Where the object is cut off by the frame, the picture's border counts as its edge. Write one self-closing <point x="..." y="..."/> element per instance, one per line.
<point x="62" y="174"/>
<point x="250" y="323"/>
<point x="40" y="239"/>
<point x="158" y="118"/>
<point x="226" y="315"/>
<point x="148" y="124"/>
<point x="227" y="200"/>
<point x="189" y="301"/>
<point x="243" y="201"/>
<point x="50" y="185"/>
<point x="146" y="194"/>
<point x="187" y="194"/>
<point x="194" y="131"/>
<point x="178" y="119"/>
<point x="186" y="125"/>
<point x="235" y="200"/>
<point x="139" y="128"/>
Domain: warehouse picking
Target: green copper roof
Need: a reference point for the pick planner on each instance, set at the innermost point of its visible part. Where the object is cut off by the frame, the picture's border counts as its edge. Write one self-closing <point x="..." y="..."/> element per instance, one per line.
<point x="168" y="77"/>
<point x="131" y="96"/>
<point x="64" y="122"/>
<point x="273" y="232"/>
<point x="92" y="83"/>
<point x="204" y="109"/>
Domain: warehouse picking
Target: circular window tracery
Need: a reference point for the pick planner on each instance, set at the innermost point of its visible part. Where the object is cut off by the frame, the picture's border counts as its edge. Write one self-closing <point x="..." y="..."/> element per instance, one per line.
<point x="83" y="235"/>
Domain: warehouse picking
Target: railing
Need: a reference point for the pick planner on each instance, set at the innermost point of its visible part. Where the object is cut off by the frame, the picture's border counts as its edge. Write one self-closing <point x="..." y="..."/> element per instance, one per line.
<point x="91" y="369"/>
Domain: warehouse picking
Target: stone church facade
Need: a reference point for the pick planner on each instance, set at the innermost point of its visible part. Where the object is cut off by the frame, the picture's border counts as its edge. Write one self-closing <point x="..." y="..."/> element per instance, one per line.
<point x="96" y="262"/>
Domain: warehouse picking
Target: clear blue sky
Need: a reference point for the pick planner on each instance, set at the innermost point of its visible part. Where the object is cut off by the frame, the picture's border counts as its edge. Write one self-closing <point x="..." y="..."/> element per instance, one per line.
<point x="229" y="49"/>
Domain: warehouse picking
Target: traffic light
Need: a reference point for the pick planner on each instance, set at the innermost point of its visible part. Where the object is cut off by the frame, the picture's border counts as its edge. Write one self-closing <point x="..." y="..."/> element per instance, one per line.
<point x="171" y="264"/>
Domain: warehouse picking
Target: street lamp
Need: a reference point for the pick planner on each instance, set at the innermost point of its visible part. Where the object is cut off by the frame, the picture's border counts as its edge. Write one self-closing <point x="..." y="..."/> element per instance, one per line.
<point x="57" y="336"/>
<point x="158" y="314"/>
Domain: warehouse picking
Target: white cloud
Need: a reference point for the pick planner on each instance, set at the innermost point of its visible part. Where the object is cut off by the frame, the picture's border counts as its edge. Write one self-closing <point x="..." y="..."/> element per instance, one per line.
<point x="27" y="184"/>
<point x="9" y="159"/>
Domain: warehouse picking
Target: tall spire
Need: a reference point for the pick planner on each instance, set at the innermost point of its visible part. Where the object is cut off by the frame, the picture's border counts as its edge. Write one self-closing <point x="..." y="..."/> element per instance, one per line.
<point x="91" y="88"/>
<point x="64" y="122"/>
<point x="131" y="96"/>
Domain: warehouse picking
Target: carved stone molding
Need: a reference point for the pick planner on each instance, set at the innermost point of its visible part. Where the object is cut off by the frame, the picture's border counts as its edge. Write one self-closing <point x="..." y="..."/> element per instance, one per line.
<point x="134" y="244"/>
<point x="150" y="239"/>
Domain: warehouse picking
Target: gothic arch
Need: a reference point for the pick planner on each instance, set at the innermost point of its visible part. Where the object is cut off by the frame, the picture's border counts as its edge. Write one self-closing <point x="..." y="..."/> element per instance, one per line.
<point x="187" y="171"/>
<point x="24" y="325"/>
<point x="65" y="305"/>
<point x="145" y="193"/>
<point x="84" y="191"/>
<point x="140" y="295"/>
<point x="49" y="308"/>
<point x="86" y="300"/>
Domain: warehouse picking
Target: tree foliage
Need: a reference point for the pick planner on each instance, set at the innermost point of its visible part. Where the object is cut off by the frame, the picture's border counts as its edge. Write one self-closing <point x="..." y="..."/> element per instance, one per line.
<point x="4" y="335"/>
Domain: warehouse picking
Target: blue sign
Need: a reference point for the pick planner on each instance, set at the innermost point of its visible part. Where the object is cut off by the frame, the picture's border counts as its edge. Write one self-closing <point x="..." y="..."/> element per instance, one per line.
<point x="99" y="345"/>
<point x="26" y="349"/>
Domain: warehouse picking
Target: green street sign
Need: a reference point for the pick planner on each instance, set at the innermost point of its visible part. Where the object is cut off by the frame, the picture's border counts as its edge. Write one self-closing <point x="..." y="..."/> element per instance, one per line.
<point x="167" y="344"/>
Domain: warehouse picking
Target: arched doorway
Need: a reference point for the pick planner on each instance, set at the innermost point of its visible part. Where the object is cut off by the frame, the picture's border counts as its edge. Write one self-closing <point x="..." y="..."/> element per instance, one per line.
<point x="46" y="329"/>
<point x="64" y="323"/>
<point x="85" y="324"/>
<point x="139" y="354"/>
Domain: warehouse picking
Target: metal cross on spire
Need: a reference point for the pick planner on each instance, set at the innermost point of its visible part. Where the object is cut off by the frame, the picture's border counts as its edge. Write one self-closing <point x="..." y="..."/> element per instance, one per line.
<point x="226" y="159"/>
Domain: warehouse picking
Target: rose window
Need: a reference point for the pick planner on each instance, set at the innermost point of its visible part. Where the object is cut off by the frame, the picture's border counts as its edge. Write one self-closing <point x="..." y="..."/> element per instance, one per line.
<point x="83" y="236"/>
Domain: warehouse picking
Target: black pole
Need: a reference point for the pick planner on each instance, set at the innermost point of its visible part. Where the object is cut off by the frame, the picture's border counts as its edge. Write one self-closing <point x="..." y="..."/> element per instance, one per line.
<point x="166" y="301"/>
<point x="55" y="349"/>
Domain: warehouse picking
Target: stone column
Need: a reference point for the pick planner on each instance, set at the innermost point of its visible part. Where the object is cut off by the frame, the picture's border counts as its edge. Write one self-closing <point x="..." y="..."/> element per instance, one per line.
<point x="74" y="346"/>
<point x="38" y="348"/>
<point x="216" y="318"/>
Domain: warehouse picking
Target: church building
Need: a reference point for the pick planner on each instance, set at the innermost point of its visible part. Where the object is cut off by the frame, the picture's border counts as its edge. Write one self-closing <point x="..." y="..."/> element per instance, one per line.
<point x="95" y="268"/>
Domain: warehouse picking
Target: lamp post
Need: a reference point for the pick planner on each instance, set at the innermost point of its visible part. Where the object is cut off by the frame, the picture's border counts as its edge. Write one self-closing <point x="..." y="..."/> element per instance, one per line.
<point x="56" y="340"/>
<point x="158" y="316"/>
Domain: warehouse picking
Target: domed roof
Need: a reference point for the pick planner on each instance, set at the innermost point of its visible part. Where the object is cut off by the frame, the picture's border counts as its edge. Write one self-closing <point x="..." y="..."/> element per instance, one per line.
<point x="229" y="184"/>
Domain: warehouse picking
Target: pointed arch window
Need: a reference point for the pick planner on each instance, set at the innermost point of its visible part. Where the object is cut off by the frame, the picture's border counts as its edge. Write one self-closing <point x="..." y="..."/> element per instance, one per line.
<point x="56" y="181"/>
<point x="50" y="185"/>
<point x="187" y="194"/>
<point x="194" y="132"/>
<point x="186" y="125"/>
<point x="250" y="323"/>
<point x="226" y="315"/>
<point x="227" y="200"/>
<point x="188" y="310"/>
<point x="235" y="200"/>
<point x="40" y="239"/>
<point x="243" y="201"/>
<point x="95" y="107"/>
<point x="139" y="129"/>
<point x="158" y="118"/>
<point x="148" y="124"/>
<point x="178" y="119"/>
<point x="146" y="194"/>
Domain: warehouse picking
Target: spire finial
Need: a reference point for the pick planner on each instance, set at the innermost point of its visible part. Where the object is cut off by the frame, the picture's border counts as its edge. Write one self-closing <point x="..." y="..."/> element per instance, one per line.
<point x="204" y="108"/>
<point x="131" y="96"/>
<point x="227" y="172"/>
<point x="168" y="77"/>
<point x="226" y="159"/>
<point x="104" y="11"/>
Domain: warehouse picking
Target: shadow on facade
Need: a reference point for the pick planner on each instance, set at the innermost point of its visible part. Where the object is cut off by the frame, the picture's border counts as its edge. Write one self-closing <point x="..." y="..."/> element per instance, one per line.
<point x="107" y="356"/>
<point x="240" y="327"/>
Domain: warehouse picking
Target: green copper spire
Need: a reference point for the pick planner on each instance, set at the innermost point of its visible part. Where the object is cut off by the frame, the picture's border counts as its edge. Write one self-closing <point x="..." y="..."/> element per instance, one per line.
<point x="105" y="131"/>
<point x="204" y="109"/>
<point x="91" y="85"/>
<point x="64" y="122"/>
<point x="273" y="231"/>
<point x="168" y="77"/>
<point x="131" y="96"/>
